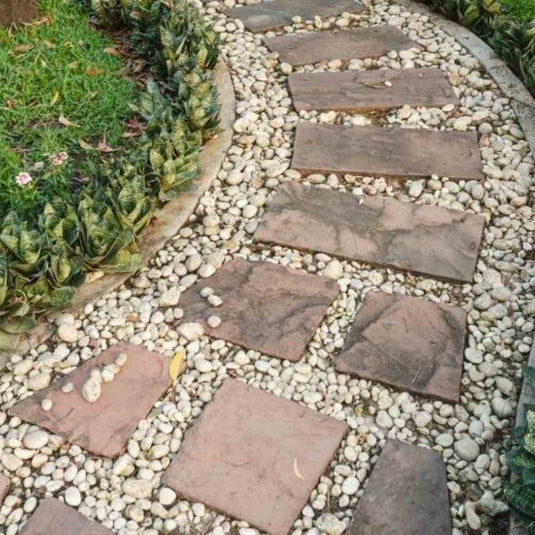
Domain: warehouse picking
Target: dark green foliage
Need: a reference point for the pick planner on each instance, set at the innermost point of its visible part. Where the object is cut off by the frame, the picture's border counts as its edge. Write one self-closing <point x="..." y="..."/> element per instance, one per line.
<point x="507" y="25"/>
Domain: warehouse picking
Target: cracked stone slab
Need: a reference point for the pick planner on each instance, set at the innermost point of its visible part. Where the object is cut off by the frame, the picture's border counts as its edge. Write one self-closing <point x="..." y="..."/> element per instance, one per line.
<point x="4" y="487"/>
<point x="102" y="427"/>
<point x="373" y="151"/>
<point x="381" y="89"/>
<point x="53" y="517"/>
<point x="359" y="43"/>
<point x="380" y="230"/>
<point x="255" y="456"/>
<point x="266" y="307"/>
<point x="406" y="494"/>
<point x="271" y="15"/>
<point x="407" y="342"/>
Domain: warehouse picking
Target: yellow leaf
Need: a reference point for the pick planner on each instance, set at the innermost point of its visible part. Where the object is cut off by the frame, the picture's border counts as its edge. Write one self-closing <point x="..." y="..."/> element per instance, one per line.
<point x="296" y="470"/>
<point x="55" y="98"/>
<point x="177" y="364"/>
<point x="84" y="145"/>
<point x="65" y="122"/>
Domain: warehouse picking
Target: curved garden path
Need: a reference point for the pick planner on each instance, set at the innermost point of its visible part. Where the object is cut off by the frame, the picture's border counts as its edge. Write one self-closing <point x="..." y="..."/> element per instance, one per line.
<point x="337" y="312"/>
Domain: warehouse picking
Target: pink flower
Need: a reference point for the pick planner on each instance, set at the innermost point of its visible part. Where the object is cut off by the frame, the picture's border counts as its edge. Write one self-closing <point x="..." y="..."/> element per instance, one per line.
<point x="59" y="159"/>
<point x="22" y="179"/>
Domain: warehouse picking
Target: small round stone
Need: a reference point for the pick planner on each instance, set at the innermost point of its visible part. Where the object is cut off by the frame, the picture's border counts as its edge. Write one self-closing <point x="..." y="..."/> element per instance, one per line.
<point x="67" y="387"/>
<point x="215" y="300"/>
<point x="73" y="497"/>
<point x="46" y="404"/>
<point x="121" y="359"/>
<point x="214" y="322"/>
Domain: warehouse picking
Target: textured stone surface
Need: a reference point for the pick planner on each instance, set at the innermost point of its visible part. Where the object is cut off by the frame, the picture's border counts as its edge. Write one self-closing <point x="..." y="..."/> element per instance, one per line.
<point x="103" y="427"/>
<point x="405" y="495"/>
<point x="363" y="91"/>
<point x="266" y="307"/>
<point x="270" y="15"/>
<point x="308" y="48"/>
<point x="55" y="518"/>
<point x="254" y="456"/>
<point x="380" y="230"/>
<point x="4" y="487"/>
<point x="375" y="151"/>
<point x="407" y="342"/>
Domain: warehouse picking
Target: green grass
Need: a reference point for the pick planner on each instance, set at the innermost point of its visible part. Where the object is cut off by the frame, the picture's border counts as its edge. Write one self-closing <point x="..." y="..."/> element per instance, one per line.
<point x="523" y="9"/>
<point x="52" y="70"/>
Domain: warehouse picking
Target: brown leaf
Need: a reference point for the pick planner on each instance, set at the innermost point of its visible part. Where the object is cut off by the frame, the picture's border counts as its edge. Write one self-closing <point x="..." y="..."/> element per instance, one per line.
<point x="23" y="48"/>
<point x="103" y="146"/>
<point x="112" y="51"/>
<point x="90" y="71"/>
<point x="296" y="470"/>
<point x="84" y="145"/>
<point x="65" y="122"/>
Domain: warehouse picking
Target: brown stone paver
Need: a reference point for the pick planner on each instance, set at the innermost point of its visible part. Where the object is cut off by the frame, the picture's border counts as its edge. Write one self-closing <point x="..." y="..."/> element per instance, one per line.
<point x="4" y="487"/>
<point x="407" y="342"/>
<point x="266" y="307"/>
<point x="380" y="230"/>
<point x="255" y="456"/>
<point x="102" y="427"/>
<point x="406" y="494"/>
<point x="399" y="152"/>
<point x="55" y="518"/>
<point x="356" y="43"/>
<point x="380" y="89"/>
<point x="270" y="15"/>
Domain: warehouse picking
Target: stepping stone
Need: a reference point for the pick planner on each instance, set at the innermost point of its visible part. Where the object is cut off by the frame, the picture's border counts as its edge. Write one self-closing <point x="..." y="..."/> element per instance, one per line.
<point x="304" y="49"/>
<point x="102" y="427"/>
<point x="270" y="15"/>
<point x="380" y="230"/>
<point x="266" y="307"/>
<point x="399" y="152"/>
<point x="254" y="456"/>
<point x="4" y="487"/>
<point x="55" y="518"/>
<point x="406" y="494"/>
<point x="409" y="343"/>
<point x="364" y="91"/>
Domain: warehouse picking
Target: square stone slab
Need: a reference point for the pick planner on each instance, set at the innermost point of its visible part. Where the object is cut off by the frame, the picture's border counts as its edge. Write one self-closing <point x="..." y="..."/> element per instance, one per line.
<point x="358" y="43"/>
<point x="270" y="15"/>
<point x="406" y="494"/>
<point x="55" y="518"/>
<point x="380" y="230"/>
<point x="103" y="427"/>
<point x="255" y="456"/>
<point x="409" y="343"/>
<point x="266" y="307"/>
<point x="364" y="91"/>
<point x="4" y="487"/>
<point x="373" y="151"/>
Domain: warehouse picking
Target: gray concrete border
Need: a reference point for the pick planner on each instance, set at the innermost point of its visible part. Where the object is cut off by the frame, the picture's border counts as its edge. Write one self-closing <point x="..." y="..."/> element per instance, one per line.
<point x="166" y="223"/>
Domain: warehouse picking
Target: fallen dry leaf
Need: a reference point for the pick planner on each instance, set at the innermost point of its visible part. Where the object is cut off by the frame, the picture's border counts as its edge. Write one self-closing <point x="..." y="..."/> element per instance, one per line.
<point x="55" y="98"/>
<point x="23" y="48"/>
<point x="103" y="146"/>
<point x="177" y="364"/>
<point x="296" y="470"/>
<point x="84" y="145"/>
<point x="65" y="122"/>
<point x="93" y="276"/>
<point x="93" y="72"/>
<point x="112" y="51"/>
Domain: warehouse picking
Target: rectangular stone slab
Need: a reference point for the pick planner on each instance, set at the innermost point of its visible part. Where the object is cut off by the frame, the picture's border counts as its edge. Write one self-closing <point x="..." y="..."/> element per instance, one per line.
<point x="254" y="456"/>
<point x="379" y="230"/>
<point x="103" y="427"/>
<point x="274" y="14"/>
<point x="407" y="342"/>
<point x="364" y="91"/>
<point x="55" y="518"/>
<point x="399" y="152"/>
<point x="266" y="307"/>
<point x="406" y="494"/>
<point x="304" y="49"/>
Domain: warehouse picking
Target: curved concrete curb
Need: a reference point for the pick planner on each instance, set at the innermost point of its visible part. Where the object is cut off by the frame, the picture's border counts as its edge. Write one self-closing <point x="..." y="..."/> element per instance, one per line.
<point x="167" y="221"/>
<point x="522" y="102"/>
<point x="524" y="106"/>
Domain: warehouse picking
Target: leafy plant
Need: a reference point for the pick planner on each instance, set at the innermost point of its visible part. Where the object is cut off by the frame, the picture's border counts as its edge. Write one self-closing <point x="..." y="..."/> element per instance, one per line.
<point x="520" y="493"/>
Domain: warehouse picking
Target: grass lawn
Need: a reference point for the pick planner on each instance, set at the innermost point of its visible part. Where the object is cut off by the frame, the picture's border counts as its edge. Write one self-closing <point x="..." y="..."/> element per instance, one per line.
<point x="60" y="87"/>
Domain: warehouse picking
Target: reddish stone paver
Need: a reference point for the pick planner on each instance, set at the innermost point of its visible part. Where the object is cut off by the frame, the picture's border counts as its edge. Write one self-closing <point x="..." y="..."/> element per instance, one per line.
<point x="380" y="230"/>
<point x="255" y="456"/>
<point x="4" y="487"/>
<point x="409" y="343"/>
<point x="103" y="427"/>
<point x="55" y="518"/>
<point x="406" y="494"/>
<point x="266" y="307"/>
<point x="270" y="15"/>
<point x="363" y="91"/>
<point x="373" y="151"/>
<point x="303" y="49"/>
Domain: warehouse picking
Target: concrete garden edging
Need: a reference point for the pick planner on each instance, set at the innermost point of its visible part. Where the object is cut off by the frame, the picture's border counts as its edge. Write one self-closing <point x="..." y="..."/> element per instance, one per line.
<point x="166" y="222"/>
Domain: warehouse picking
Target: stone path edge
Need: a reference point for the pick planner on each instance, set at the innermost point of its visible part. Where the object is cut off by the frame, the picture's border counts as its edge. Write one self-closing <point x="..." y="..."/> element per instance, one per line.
<point x="166" y="223"/>
<point x="522" y="101"/>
